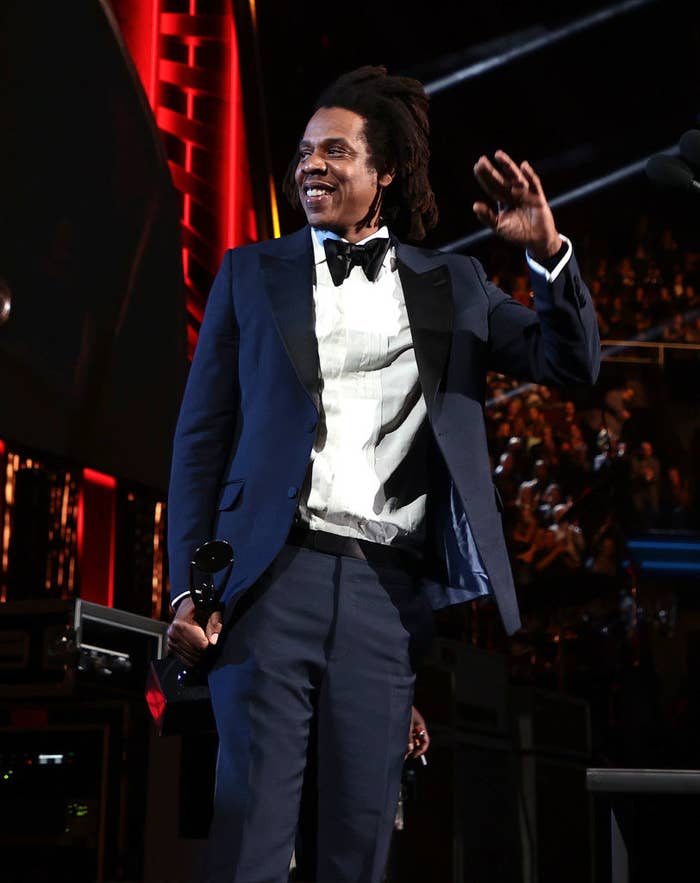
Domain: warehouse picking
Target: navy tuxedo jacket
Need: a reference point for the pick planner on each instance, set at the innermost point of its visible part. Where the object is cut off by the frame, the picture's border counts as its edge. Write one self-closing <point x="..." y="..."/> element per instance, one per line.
<point x="250" y="409"/>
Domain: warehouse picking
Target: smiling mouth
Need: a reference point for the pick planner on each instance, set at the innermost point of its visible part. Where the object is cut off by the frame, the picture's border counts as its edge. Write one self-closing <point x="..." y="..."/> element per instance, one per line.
<point x="313" y="193"/>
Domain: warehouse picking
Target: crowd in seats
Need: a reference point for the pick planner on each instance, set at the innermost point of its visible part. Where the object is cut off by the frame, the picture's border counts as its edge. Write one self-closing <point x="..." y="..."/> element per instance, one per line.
<point x="543" y="471"/>
<point x="579" y="472"/>
<point x="653" y="293"/>
<point x="571" y="486"/>
<point x="644" y="298"/>
<point x="572" y="483"/>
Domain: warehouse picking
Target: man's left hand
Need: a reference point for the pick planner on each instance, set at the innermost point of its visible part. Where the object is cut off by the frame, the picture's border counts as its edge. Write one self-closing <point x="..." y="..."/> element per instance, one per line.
<point x="522" y="215"/>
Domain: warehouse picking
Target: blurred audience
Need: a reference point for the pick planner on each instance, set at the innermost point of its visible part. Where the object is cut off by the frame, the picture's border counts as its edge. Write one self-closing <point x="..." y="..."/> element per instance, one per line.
<point x="562" y="471"/>
<point x="645" y="481"/>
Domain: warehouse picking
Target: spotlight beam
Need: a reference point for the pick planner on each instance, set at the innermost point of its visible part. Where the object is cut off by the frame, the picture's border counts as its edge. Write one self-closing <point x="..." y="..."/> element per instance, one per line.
<point x="533" y="45"/>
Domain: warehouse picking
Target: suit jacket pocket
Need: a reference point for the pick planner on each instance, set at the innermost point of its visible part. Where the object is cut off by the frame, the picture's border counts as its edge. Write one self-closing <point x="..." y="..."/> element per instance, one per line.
<point x="230" y="492"/>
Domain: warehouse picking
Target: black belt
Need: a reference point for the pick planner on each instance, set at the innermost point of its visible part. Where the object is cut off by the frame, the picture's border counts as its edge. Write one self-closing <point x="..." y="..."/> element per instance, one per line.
<point x="333" y="544"/>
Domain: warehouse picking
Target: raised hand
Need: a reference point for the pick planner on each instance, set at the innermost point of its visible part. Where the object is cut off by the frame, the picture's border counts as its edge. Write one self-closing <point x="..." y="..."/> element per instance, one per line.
<point x="521" y="214"/>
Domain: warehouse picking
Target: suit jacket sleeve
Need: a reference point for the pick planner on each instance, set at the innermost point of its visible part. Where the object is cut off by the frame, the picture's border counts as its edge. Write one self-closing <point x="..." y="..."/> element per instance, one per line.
<point x="557" y="344"/>
<point x="205" y="430"/>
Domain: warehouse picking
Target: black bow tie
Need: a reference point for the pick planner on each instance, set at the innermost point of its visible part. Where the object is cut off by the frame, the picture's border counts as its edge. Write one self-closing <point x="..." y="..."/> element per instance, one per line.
<point x="342" y="257"/>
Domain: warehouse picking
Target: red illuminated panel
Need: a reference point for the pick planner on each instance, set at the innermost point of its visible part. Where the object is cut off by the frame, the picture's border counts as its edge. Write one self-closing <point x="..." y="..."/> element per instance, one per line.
<point x="242" y="224"/>
<point x="96" y="537"/>
<point x="155" y="699"/>
<point x="138" y="21"/>
<point x="189" y="66"/>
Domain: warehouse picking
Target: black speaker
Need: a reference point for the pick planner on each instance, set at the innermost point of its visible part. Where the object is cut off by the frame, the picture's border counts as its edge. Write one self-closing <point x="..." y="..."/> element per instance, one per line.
<point x="73" y="792"/>
<point x="552" y="743"/>
<point x="461" y="814"/>
<point x="179" y="801"/>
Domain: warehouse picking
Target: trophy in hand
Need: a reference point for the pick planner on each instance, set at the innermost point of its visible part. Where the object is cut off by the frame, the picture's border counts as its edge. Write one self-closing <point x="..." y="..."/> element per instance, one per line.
<point x="211" y="560"/>
<point x="178" y="697"/>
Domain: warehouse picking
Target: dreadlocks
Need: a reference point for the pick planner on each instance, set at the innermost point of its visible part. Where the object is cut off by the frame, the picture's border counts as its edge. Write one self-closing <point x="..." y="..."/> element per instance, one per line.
<point x="396" y="129"/>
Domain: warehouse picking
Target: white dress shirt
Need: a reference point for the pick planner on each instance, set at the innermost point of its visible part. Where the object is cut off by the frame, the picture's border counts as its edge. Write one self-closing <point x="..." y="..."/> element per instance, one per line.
<point x="371" y="402"/>
<point x="371" y="405"/>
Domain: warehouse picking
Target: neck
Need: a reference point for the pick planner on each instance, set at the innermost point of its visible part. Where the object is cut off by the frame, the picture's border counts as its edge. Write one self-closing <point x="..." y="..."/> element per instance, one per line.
<point x="354" y="234"/>
<point x="357" y="235"/>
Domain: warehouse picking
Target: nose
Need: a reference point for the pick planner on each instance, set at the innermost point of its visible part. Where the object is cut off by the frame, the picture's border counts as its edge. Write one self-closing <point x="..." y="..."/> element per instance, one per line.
<point x="313" y="163"/>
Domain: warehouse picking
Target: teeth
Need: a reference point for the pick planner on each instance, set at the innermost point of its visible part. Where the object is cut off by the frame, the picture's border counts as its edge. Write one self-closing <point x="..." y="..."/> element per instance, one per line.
<point x="316" y="191"/>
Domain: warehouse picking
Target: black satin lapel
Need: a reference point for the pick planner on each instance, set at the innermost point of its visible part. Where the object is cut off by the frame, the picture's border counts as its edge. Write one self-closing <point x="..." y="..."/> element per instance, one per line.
<point x="428" y="299"/>
<point x="288" y="286"/>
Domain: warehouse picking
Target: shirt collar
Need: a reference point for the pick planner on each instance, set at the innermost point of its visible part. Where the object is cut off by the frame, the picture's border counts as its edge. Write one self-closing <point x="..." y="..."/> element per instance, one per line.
<point x="318" y="237"/>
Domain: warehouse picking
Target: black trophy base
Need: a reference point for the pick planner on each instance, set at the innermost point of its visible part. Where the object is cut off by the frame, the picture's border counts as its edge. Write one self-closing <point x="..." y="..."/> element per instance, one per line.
<point x="178" y="698"/>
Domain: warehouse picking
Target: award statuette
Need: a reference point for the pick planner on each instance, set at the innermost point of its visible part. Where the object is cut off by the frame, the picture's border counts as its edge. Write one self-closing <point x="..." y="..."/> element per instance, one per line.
<point x="178" y="697"/>
<point x="209" y="561"/>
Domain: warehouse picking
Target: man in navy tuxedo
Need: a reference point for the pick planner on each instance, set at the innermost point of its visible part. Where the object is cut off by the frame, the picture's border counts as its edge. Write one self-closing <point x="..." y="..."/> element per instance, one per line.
<point x="332" y="431"/>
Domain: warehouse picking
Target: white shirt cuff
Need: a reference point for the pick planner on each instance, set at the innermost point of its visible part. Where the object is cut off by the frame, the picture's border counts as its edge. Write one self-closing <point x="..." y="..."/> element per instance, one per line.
<point x="178" y="598"/>
<point x="551" y="275"/>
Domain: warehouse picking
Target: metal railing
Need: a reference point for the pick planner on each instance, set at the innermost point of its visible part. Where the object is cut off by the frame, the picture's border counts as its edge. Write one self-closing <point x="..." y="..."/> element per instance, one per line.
<point x="644" y="352"/>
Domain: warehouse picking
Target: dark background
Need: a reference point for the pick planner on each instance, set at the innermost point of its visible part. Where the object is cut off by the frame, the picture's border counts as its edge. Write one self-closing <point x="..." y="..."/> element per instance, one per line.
<point x="93" y="357"/>
<point x="580" y="108"/>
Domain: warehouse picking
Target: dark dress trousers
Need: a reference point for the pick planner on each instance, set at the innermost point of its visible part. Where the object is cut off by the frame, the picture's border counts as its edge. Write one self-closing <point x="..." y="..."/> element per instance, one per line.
<point x="310" y="634"/>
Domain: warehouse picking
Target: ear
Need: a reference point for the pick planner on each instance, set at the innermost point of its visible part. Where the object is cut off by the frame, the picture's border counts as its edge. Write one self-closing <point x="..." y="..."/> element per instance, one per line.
<point x="385" y="179"/>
